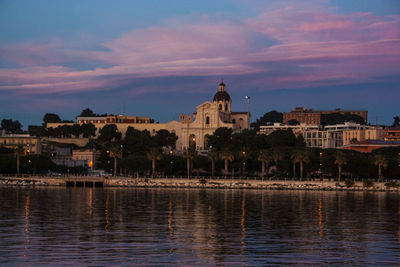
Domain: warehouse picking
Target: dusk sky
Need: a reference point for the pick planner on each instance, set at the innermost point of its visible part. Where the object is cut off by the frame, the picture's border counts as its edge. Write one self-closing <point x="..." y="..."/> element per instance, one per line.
<point x="163" y="58"/>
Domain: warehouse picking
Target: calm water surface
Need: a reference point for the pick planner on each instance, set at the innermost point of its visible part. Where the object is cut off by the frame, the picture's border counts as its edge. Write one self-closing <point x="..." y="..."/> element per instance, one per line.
<point x="83" y="226"/>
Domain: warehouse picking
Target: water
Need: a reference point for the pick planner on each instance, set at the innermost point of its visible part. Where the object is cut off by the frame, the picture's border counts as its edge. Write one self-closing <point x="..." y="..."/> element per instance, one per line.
<point x="84" y="226"/>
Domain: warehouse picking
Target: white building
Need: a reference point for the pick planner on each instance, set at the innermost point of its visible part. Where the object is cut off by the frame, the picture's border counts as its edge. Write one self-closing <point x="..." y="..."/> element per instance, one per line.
<point x="296" y="129"/>
<point x="323" y="138"/>
<point x="330" y="136"/>
<point x="31" y="144"/>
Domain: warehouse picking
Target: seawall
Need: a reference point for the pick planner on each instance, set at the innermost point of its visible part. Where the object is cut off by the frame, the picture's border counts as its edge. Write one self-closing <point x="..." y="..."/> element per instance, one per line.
<point x="87" y="181"/>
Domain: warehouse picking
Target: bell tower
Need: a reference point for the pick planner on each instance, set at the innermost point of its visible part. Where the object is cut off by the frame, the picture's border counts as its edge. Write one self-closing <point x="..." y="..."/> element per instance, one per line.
<point x="222" y="99"/>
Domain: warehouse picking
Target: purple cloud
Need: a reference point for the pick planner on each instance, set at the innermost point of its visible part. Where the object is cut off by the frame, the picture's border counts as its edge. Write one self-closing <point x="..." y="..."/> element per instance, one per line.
<point x="317" y="46"/>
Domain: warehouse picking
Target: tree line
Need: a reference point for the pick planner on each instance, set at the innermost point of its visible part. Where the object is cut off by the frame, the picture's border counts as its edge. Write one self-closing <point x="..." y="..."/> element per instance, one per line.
<point x="247" y="154"/>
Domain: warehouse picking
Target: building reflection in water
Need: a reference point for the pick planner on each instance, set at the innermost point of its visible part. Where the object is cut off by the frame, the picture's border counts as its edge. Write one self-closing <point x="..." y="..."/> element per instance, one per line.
<point x="202" y="226"/>
<point x="243" y="224"/>
<point x="170" y="227"/>
<point x="27" y="208"/>
<point x="398" y="232"/>
<point x="90" y="201"/>
<point x="107" y="212"/>
<point x="320" y="219"/>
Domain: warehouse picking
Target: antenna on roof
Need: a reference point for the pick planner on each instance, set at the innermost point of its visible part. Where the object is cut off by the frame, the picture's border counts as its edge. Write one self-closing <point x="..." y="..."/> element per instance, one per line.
<point x="123" y="107"/>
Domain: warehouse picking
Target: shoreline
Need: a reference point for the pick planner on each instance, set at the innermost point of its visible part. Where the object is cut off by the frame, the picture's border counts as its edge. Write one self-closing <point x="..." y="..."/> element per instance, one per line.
<point x="127" y="182"/>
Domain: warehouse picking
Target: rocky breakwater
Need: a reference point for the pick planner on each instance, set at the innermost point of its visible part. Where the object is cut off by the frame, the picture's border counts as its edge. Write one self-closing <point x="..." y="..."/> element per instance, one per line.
<point x="249" y="184"/>
<point x="30" y="181"/>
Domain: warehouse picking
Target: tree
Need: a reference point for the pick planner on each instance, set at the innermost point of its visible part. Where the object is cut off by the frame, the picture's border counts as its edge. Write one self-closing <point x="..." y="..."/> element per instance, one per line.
<point x="109" y="132"/>
<point x="302" y="156"/>
<point x="189" y="154"/>
<point x="88" y="130"/>
<point x="380" y="161"/>
<point x="227" y="155"/>
<point x="19" y="151"/>
<point x="219" y="138"/>
<point x="293" y="122"/>
<point x="265" y="157"/>
<point x="396" y="121"/>
<point x="116" y="153"/>
<point x="277" y="154"/>
<point x="153" y="154"/>
<point x="11" y="126"/>
<point x="213" y="155"/>
<point x="137" y="142"/>
<point x="87" y="113"/>
<point x="37" y="131"/>
<point x="51" y="118"/>
<point x="340" y="160"/>
<point x="268" y="118"/>
<point x="294" y="157"/>
<point x="281" y="138"/>
<point x="338" y="118"/>
<point x="164" y="138"/>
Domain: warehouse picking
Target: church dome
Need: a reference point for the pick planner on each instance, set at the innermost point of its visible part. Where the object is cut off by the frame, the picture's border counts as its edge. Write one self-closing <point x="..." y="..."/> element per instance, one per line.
<point x="221" y="96"/>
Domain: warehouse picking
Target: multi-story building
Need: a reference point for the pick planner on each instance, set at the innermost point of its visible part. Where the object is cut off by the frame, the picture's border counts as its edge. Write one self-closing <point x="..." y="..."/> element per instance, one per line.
<point x="323" y="138"/>
<point x="310" y="116"/>
<point x="352" y="136"/>
<point x="113" y="119"/>
<point x="391" y="134"/>
<point x="89" y="155"/>
<point x="296" y="129"/>
<point x="330" y="136"/>
<point x="31" y="144"/>
<point x="190" y="129"/>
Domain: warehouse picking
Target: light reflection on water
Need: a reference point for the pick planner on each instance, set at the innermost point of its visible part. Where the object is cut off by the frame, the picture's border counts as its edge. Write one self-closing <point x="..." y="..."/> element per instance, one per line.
<point x="87" y="226"/>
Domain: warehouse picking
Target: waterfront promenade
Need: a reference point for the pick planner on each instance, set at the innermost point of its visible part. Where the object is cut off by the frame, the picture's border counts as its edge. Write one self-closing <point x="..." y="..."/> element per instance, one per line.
<point x="247" y="183"/>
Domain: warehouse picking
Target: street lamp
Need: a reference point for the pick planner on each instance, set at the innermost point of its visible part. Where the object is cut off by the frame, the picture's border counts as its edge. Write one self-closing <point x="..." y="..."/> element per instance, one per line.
<point x="320" y="164"/>
<point x="243" y="163"/>
<point x="248" y="109"/>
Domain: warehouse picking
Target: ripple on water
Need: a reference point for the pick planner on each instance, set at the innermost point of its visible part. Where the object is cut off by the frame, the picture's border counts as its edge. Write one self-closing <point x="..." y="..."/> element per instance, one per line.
<point x="204" y="227"/>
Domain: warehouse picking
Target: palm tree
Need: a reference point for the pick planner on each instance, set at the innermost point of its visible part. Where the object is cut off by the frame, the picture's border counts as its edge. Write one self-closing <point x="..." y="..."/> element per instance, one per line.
<point x="340" y="160"/>
<point x="227" y="155"/>
<point x="116" y="153"/>
<point x="277" y="155"/>
<point x="213" y="155"/>
<point x="18" y="152"/>
<point x="189" y="154"/>
<point x="153" y="154"/>
<point x="380" y="161"/>
<point x="294" y="157"/>
<point x="302" y="156"/>
<point x="265" y="157"/>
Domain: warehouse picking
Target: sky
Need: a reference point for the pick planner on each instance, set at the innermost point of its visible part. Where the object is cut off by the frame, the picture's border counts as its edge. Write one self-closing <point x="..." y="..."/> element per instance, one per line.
<point x="162" y="58"/>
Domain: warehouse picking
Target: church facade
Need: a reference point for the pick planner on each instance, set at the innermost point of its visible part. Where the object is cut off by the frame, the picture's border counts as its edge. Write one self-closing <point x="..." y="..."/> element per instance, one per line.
<point x="191" y="130"/>
<point x="208" y="117"/>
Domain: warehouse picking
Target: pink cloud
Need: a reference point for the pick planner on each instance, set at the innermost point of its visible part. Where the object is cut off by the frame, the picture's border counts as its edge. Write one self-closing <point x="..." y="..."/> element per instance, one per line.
<point x="322" y="46"/>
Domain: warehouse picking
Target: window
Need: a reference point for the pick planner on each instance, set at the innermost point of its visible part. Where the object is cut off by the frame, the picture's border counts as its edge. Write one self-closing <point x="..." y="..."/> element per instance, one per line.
<point x="226" y="107"/>
<point x="233" y="121"/>
<point x="207" y="120"/>
<point x="220" y="107"/>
